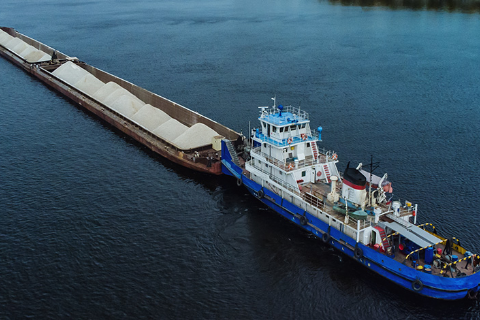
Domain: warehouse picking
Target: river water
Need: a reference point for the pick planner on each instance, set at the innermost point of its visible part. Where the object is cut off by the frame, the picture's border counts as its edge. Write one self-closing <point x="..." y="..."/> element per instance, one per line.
<point x="94" y="225"/>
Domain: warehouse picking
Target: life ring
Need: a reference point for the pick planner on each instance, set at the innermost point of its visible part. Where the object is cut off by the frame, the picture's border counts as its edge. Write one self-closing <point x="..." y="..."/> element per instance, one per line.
<point x="358" y="252"/>
<point x="417" y="285"/>
<point x="260" y="194"/>
<point x="472" y="294"/>
<point x="290" y="166"/>
<point x="290" y="140"/>
<point x="319" y="173"/>
<point x="325" y="237"/>
<point x="303" y="220"/>
<point x="239" y="182"/>
<point x="334" y="156"/>
<point x="304" y="136"/>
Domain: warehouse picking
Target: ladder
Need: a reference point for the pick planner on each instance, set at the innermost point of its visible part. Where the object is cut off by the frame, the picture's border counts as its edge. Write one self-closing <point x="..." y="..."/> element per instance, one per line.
<point x="383" y="235"/>
<point x="314" y="149"/>
<point x="233" y="153"/>
<point x="327" y="172"/>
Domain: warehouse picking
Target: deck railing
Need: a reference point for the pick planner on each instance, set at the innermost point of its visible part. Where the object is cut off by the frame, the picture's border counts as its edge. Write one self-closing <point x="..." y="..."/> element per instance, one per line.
<point x="300" y="114"/>
<point x="282" y="183"/>
<point x="323" y="158"/>
<point x="310" y="137"/>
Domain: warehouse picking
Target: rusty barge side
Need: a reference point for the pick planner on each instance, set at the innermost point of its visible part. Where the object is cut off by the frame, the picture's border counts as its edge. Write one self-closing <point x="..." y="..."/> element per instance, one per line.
<point x="204" y="159"/>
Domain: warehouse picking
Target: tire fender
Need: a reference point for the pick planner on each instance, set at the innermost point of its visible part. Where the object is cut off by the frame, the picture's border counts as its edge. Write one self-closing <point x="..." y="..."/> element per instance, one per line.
<point x="417" y="285"/>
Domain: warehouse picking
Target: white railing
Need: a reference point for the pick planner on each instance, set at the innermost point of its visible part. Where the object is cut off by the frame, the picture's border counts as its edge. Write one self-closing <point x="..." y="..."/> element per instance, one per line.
<point x="282" y="183"/>
<point x="323" y="158"/>
<point x="300" y="114"/>
<point x="296" y="138"/>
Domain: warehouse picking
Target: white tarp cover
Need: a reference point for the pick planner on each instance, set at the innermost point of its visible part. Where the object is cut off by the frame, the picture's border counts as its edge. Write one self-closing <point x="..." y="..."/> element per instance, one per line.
<point x="89" y="84"/>
<point x="150" y="117"/>
<point x="170" y="130"/>
<point x="12" y="43"/>
<point x="4" y="37"/>
<point x="70" y="72"/>
<point x="37" y="56"/>
<point x="25" y="52"/>
<point x="127" y="105"/>
<point x="118" y="93"/>
<point x="196" y="136"/>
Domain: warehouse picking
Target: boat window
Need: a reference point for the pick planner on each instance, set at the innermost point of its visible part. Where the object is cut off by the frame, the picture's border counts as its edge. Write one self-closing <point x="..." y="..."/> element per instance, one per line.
<point x="308" y="144"/>
<point x="292" y="127"/>
<point x="303" y="125"/>
<point x="274" y="129"/>
<point x="304" y="173"/>
<point x="281" y="129"/>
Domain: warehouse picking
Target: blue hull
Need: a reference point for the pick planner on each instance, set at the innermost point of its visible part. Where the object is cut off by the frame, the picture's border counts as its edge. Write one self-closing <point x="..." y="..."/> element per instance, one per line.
<point x="416" y="281"/>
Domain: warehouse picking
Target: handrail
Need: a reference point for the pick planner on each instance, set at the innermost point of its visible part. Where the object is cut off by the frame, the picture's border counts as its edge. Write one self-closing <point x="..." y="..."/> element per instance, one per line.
<point x="463" y="259"/>
<point x="313" y="137"/>
<point x="390" y="235"/>
<point x="456" y="245"/>
<point x="303" y="115"/>
<point x="286" y="166"/>
<point x="284" y="184"/>
<point x="420" y="249"/>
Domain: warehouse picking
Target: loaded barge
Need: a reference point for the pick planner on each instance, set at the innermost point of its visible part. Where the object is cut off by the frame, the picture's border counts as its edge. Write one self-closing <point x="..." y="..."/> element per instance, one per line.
<point x="169" y="129"/>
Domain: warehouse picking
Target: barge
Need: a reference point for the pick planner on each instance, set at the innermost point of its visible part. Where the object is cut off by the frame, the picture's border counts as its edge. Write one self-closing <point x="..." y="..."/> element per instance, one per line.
<point x="169" y="129"/>
<point x="353" y="212"/>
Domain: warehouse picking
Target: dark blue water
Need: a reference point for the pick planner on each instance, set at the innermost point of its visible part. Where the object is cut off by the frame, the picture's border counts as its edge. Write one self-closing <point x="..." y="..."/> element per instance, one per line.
<point x="93" y="225"/>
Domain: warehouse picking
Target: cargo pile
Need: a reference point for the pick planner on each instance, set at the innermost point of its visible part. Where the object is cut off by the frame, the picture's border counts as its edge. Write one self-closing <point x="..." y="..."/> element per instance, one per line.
<point x="24" y="50"/>
<point x="145" y="115"/>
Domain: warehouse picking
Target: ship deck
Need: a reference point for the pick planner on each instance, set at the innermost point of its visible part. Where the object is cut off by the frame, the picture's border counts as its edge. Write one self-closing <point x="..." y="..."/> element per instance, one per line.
<point x="320" y="191"/>
<point x="447" y="272"/>
<point x="316" y="195"/>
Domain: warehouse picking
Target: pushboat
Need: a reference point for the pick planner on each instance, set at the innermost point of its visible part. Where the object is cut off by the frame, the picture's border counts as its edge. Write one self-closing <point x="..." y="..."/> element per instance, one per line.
<point x="283" y="166"/>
